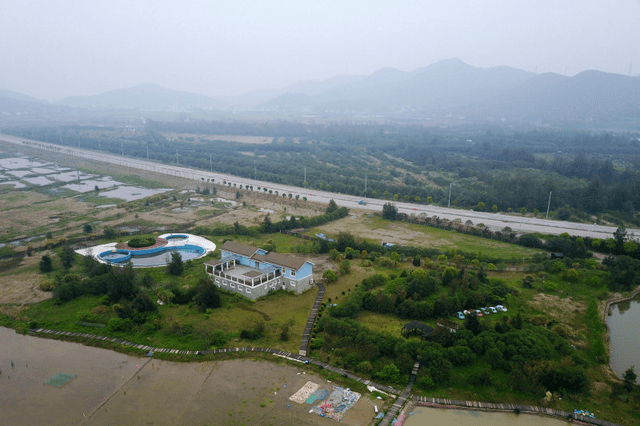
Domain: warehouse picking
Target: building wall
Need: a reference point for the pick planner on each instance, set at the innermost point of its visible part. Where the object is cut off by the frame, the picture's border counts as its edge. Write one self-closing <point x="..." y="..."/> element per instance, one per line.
<point x="281" y="283"/>
<point x="245" y="290"/>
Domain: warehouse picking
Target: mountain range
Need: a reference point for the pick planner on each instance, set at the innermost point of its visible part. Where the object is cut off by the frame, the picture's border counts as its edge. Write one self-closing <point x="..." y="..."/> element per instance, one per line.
<point x="448" y="91"/>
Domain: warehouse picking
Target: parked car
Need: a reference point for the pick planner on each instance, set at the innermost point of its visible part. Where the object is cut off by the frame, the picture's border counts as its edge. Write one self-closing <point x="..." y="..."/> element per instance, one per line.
<point x="501" y="308"/>
<point x="460" y="315"/>
<point x="493" y="310"/>
<point x="485" y="311"/>
<point x="478" y="313"/>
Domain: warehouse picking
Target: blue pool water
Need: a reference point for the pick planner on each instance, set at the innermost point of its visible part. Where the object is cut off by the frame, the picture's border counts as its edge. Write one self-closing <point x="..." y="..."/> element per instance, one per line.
<point x="159" y="256"/>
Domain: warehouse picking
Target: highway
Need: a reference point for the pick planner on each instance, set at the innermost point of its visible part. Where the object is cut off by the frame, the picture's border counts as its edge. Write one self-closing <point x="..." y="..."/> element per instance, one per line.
<point x="494" y="221"/>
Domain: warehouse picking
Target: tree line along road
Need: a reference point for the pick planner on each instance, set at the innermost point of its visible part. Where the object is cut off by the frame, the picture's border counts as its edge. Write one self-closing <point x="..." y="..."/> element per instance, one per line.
<point x="494" y="221"/>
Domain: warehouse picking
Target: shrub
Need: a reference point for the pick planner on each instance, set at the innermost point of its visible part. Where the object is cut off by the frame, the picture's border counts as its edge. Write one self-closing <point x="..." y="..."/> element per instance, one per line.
<point x="45" y="264"/>
<point x="139" y="242"/>
<point x="119" y="324"/>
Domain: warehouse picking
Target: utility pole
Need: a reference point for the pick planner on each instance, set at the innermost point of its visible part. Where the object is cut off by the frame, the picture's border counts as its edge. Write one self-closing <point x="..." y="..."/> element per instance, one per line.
<point x="548" y="204"/>
<point x="255" y="173"/>
<point x="450" y="185"/>
<point x="211" y="163"/>
<point x="122" y="148"/>
<point x="365" y="185"/>
<point x="147" y="152"/>
<point x="177" y="159"/>
<point x="305" y="174"/>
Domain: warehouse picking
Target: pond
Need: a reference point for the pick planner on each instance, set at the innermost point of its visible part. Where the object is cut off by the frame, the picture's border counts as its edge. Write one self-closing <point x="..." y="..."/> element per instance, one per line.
<point x="623" y="321"/>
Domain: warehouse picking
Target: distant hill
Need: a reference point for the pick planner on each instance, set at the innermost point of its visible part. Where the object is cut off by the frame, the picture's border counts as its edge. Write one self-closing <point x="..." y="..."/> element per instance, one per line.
<point x="10" y="94"/>
<point x="142" y="96"/>
<point x="443" y="85"/>
<point x="11" y="106"/>
<point x="452" y="88"/>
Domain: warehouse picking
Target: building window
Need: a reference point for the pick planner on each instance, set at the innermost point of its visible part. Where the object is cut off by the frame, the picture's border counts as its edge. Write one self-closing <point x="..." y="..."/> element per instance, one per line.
<point x="217" y="280"/>
<point x="225" y="282"/>
<point x="293" y="273"/>
<point x="232" y="285"/>
<point x="248" y="291"/>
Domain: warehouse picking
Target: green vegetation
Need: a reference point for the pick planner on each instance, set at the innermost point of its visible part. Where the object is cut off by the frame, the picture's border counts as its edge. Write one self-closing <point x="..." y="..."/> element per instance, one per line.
<point x="139" y="242"/>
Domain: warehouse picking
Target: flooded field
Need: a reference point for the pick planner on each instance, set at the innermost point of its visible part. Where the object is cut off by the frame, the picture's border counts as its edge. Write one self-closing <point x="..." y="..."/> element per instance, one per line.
<point x="37" y="174"/>
<point x="109" y="388"/>
<point x="130" y="193"/>
<point x="423" y="416"/>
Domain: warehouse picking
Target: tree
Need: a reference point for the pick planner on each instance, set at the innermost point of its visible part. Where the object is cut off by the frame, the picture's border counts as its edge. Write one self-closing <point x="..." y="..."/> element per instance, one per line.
<point x="67" y="256"/>
<point x="329" y="276"/>
<point x="389" y="211"/>
<point x="390" y="374"/>
<point x="176" y="266"/>
<point x="87" y="229"/>
<point x="109" y="232"/>
<point x="449" y="274"/>
<point x="267" y="226"/>
<point x="481" y="206"/>
<point x="629" y="378"/>
<point x="45" y="264"/>
<point x="494" y="208"/>
<point x="207" y="295"/>
<point x="345" y="267"/>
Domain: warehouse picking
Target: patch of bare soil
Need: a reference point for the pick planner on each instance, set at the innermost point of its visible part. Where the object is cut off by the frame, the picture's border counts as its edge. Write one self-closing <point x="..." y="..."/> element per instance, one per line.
<point x="564" y="311"/>
<point x="23" y="288"/>
<point x="253" y="140"/>
<point x="28" y="215"/>
<point x="375" y="231"/>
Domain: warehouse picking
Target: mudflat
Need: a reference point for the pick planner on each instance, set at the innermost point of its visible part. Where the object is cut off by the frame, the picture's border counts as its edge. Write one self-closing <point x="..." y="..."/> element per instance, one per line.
<point x="110" y="388"/>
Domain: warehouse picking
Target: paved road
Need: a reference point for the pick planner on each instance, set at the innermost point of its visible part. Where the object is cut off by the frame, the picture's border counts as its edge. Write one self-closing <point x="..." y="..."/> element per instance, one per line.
<point x="494" y="221"/>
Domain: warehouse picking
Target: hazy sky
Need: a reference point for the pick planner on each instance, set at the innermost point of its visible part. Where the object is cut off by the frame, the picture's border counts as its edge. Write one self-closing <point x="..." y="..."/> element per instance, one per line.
<point x="54" y="48"/>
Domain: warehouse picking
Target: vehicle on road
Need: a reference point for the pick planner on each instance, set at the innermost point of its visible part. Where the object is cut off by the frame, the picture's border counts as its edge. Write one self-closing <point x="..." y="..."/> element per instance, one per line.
<point x="460" y="315"/>
<point x="501" y="308"/>
<point x="478" y="313"/>
<point x="493" y="310"/>
<point x="362" y="202"/>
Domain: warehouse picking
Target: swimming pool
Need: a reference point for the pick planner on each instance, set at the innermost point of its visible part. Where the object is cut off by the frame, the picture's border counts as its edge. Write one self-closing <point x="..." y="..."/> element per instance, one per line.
<point x="187" y="246"/>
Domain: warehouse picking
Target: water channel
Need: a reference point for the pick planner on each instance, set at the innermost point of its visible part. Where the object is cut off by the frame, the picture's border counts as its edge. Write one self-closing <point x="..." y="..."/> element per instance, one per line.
<point x="624" y="326"/>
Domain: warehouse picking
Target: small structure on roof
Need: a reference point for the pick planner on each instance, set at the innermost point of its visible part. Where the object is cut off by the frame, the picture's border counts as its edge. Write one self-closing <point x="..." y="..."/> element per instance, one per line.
<point x="415" y="328"/>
